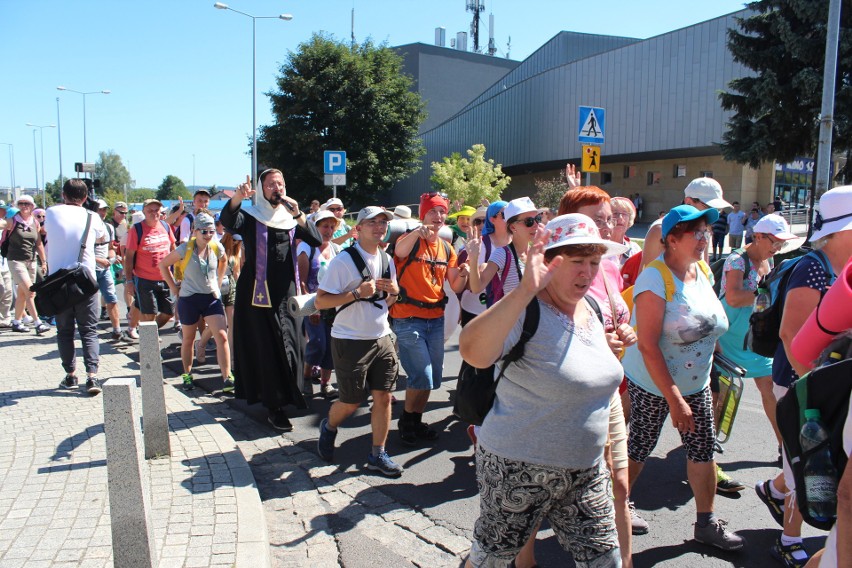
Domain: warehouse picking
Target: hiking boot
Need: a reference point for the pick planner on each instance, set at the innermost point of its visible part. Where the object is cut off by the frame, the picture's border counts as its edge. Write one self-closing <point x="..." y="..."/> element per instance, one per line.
<point x="19" y="327"/>
<point x="186" y="380"/>
<point x="325" y="443"/>
<point x="638" y="525"/>
<point x="93" y="386"/>
<point x="328" y="391"/>
<point x="69" y="382"/>
<point x="422" y="431"/>
<point x="725" y="484"/>
<point x="715" y="534"/>
<point x="230" y="385"/>
<point x="278" y="419"/>
<point x="786" y="554"/>
<point x="775" y="506"/>
<point x="384" y="465"/>
<point x="42" y="328"/>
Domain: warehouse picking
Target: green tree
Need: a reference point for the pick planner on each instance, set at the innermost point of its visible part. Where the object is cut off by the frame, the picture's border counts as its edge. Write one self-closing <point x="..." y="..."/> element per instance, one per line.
<point x="140" y="195"/>
<point x="776" y="110"/>
<point x="111" y="171"/>
<point x="111" y="196"/>
<point x="548" y="192"/>
<point x="173" y="188"/>
<point x="53" y="190"/>
<point x="336" y="96"/>
<point x="470" y="179"/>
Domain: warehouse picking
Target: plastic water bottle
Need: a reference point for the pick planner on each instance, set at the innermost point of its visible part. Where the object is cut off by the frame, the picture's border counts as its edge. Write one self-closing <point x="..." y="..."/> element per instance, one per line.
<point x="820" y="474"/>
<point x="762" y="301"/>
<point x="321" y="271"/>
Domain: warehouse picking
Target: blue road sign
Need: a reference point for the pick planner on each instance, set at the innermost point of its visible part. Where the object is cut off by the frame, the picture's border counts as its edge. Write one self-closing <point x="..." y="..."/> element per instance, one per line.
<point x="334" y="162"/>
<point x="591" y="125"/>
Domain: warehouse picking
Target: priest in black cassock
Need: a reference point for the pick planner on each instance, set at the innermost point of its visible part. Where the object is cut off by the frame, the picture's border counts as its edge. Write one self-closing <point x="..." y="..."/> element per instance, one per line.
<point x="268" y="343"/>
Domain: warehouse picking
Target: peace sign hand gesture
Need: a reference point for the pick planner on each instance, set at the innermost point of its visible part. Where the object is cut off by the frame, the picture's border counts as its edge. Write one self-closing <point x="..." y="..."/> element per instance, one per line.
<point x="537" y="274"/>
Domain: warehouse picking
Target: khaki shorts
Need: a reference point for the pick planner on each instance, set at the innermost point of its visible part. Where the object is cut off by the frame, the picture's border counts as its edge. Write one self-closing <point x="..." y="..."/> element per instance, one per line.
<point x="23" y="272"/>
<point x="362" y="365"/>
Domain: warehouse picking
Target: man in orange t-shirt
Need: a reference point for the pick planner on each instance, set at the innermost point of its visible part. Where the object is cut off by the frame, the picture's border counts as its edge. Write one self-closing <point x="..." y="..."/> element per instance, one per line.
<point x="423" y="261"/>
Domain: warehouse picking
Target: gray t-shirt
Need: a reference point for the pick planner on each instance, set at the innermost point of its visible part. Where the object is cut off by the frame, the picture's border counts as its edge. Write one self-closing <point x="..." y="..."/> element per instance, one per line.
<point x="552" y="406"/>
<point x="200" y="275"/>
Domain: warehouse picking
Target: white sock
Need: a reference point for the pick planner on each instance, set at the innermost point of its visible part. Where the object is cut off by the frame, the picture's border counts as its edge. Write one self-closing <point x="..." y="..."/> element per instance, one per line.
<point x="117" y="329"/>
<point x="775" y="493"/>
<point x="791" y="540"/>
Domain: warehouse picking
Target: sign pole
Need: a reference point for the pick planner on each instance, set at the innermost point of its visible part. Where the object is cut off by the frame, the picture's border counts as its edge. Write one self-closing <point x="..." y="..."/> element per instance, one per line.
<point x="334" y="188"/>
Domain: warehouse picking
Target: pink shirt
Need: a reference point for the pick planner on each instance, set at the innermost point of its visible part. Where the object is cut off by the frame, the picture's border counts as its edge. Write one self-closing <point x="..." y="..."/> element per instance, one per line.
<point x="598" y="291"/>
<point x="157" y="242"/>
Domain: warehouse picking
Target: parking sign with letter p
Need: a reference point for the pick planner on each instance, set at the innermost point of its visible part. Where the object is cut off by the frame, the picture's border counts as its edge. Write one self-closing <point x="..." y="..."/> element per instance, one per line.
<point x="334" y="162"/>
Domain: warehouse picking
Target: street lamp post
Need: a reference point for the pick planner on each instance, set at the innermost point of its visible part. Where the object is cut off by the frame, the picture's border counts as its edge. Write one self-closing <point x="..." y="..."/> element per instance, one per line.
<point x="285" y="17"/>
<point x="59" y="137"/>
<point x="104" y="92"/>
<point x="41" y="137"/>
<point x="11" y="167"/>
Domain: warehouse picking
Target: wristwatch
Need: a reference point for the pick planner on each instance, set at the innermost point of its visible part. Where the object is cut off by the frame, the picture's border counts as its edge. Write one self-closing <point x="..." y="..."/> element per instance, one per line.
<point x="299" y="215"/>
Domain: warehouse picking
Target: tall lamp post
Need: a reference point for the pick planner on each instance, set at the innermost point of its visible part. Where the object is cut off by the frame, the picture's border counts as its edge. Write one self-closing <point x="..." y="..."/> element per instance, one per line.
<point x="286" y="17"/>
<point x="104" y="92"/>
<point x="11" y="167"/>
<point x="59" y="137"/>
<point x="41" y="137"/>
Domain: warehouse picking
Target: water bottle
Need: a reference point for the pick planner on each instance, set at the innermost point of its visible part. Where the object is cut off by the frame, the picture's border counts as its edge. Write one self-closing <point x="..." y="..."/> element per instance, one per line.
<point x="762" y="301"/>
<point x="321" y="271"/>
<point x="820" y="474"/>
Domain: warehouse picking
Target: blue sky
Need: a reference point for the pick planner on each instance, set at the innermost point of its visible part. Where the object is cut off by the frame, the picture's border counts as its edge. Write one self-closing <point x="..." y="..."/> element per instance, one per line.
<point x="179" y="71"/>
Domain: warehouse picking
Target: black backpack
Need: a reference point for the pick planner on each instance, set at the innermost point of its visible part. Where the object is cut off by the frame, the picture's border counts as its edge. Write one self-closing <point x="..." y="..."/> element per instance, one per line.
<point x="826" y="388"/>
<point x="477" y="388"/>
<point x="404" y="298"/>
<point x="329" y="314"/>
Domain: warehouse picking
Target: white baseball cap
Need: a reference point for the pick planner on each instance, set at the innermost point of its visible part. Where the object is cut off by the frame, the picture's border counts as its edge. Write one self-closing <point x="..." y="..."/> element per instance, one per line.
<point x="578" y="229"/>
<point x="102" y="204"/>
<point x="706" y="190"/>
<point x="519" y="206"/>
<point x="837" y="205"/>
<point x="320" y="215"/>
<point x="330" y="202"/>
<point x="774" y="225"/>
<point x="372" y="211"/>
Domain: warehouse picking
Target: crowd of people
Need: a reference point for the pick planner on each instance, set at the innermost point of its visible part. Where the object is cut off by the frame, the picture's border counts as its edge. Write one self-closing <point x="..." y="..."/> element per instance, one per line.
<point x="624" y="336"/>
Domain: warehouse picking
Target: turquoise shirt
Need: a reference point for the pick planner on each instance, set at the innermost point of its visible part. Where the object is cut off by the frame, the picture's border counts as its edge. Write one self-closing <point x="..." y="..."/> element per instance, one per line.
<point x="693" y="322"/>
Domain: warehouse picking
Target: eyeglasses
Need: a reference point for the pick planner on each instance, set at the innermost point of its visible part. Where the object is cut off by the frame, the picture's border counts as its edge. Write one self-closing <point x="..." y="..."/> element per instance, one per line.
<point x="777" y="244"/>
<point x="206" y="231"/>
<point x="376" y="223"/>
<point x="699" y="235"/>
<point x="335" y="209"/>
<point x="121" y="212"/>
<point x="478" y="222"/>
<point x="604" y="222"/>
<point x="530" y="222"/>
<point x="617" y="215"/>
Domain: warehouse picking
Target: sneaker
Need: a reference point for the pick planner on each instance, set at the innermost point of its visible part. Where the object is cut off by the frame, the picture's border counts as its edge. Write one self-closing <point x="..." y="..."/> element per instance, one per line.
<point x="131" y="335"/>
<point x="785" y="554"/>
<point x="278" y="419"/>
<point x="325" y="443"/>
<point x="230" y="385"/>
<point x="200" y="354"/>
<point x="5" y="324"/>
<point x="715" y="534"/>
<point x="27" y="320"/>
<point x="104" y="315"/>
<point x="42" y="328"/>
<point x="187" y="381"/>
<point x="19" y="327"/>
<point x="423" y="432"/>
<point x="328" y="391"/>
<point x="93" y="386"/>
<point x="116" y="336"/>
<point x="69" y="382"/>
<point x="775" y="506"/>
<point x="638" y="525"/>
<point x="384" y="465"/>
<point x="725" y="484"/>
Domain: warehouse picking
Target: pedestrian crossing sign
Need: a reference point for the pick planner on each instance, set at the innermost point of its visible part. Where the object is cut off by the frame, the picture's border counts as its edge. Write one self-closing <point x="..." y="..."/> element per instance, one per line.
<point x="591" y="125"/>
<point x="591" y="159"/>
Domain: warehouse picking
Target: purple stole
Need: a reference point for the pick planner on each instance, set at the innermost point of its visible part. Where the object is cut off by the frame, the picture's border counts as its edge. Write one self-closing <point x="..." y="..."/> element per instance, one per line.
<point x="260" y="296"/>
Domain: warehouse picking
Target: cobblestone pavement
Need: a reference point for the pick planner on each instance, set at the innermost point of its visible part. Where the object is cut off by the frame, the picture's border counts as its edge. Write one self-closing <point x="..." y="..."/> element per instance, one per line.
<point x="54" y="508"/>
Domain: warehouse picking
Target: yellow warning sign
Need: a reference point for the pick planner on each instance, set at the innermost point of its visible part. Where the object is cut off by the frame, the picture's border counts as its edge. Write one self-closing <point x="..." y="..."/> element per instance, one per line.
<point x="592" y="159"/>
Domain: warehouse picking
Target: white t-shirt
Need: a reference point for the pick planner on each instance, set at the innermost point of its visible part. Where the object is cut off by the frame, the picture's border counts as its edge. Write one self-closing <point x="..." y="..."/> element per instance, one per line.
<point x="185" y="229"/>
<point x="361" y="320"/>
<point x="475" y="303"/>
<point x="65" y="225"/>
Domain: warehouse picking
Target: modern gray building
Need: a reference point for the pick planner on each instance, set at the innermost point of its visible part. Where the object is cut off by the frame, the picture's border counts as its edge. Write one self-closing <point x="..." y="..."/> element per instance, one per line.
<point x="663" y="118"/>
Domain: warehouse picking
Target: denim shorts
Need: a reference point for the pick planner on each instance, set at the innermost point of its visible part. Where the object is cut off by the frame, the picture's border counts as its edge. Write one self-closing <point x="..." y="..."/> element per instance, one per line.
<point x="107" y="285"/>
<point x="192" y="308"/>
<point x="421" y="350"/>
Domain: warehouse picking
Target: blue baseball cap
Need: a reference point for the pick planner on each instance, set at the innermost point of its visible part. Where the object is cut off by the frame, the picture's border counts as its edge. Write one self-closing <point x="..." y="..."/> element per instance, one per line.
<point x="11" y="211"/>
<point x="492" y="210"/>
<point x="683" y="213"/>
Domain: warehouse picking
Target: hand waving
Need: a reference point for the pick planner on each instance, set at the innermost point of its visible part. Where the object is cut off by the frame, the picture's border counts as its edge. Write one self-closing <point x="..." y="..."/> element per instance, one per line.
<point x="572" y="176"/>
<point x="537" y="274"/>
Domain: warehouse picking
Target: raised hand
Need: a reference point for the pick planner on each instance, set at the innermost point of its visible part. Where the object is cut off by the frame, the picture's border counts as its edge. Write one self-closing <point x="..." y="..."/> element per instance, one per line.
<point x="245" y="190"/>
<point x="537" y="274"/>
<point x="572" y="176"/>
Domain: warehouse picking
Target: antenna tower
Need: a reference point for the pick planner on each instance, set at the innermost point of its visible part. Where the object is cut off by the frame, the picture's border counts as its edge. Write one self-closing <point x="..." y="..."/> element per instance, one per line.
<point x="475" y="6"/>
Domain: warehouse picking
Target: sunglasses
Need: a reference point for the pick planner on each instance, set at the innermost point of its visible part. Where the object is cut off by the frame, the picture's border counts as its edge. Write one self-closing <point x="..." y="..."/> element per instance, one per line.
<point x="478" y="222"/>
<point x="333" y="209"/>
<point x="530" y="222"/>
<point x="206" y="231"/>
<point x="24" y="204"/>
<point x="699" y="235"/>
<point x="122" y="212"/>
<point x="39" y="216"/>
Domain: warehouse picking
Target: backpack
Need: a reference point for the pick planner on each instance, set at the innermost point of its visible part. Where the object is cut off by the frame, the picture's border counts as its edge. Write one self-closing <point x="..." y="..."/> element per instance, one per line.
<point x="180" y="268"/>
<point x="412" y="256"/>
<point x="4" y="242"/>
<point x="329" y="314"/>
<point x="138" y="228"/>
<point x="717" y="267"/>
<point x="477" y="388"/>
<point x="494" y="289"/>
<point x="826" y="388"/>
<point x="764" y="326"/>
<point x="191" y="218"/>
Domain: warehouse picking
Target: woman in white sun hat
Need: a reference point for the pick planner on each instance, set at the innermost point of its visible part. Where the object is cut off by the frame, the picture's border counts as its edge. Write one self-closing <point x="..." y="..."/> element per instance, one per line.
<point x="549" y="422"/>
<point x="742" y="271"/>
